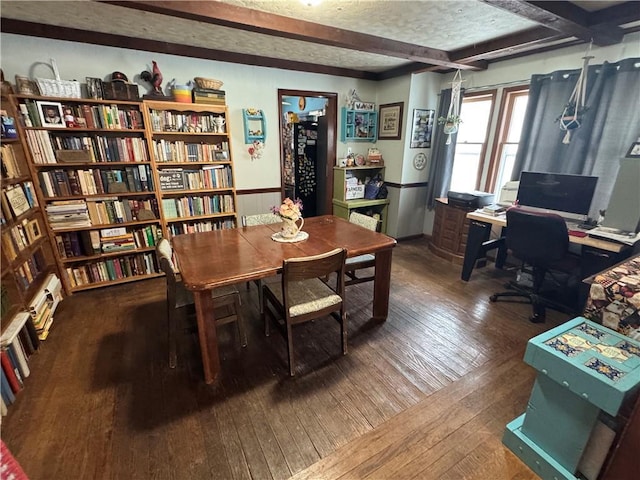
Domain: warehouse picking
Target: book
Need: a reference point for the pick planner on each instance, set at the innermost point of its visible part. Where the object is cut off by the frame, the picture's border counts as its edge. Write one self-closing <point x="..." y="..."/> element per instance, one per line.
<point x="17" y="199"/>
<point x="10" y="370"/>
<point x="5" y="389"/>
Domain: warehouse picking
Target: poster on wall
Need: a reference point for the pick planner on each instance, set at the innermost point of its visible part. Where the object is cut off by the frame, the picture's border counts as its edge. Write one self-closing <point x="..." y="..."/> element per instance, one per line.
<point x="421" y="128"/>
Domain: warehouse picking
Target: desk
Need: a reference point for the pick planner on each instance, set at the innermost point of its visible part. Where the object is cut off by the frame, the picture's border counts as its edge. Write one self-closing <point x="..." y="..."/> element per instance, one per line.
<point x="596" y="254"/>
<point x="224" y="257"/>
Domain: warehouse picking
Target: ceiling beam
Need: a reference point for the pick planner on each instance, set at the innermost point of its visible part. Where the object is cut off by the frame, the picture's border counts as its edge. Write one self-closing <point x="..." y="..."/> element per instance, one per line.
<point x="617" y="14"/>
<point x="563" y="17"/>
<point x="224" y="14"/>
<point x="31" y="29"/>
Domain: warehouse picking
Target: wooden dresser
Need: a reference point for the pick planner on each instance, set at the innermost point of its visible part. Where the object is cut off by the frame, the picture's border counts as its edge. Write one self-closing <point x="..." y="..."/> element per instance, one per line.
<point x="450" y="230"/>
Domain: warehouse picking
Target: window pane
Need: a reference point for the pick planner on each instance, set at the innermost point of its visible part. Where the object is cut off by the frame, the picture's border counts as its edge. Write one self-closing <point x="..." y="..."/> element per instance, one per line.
<point x="517" y="117"/>
<point x="475" y="119"/>
<point x="465" y="167"/>
<point x="507" y="160"/>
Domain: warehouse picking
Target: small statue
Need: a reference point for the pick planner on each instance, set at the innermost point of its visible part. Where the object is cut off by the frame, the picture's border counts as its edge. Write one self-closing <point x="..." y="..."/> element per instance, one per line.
<point x="154" y="77"/>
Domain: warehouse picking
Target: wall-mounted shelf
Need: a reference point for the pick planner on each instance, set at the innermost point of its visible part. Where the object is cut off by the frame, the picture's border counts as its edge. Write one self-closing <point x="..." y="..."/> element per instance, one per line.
<point x="255" y="125"/>
<point x="359" y="125"/>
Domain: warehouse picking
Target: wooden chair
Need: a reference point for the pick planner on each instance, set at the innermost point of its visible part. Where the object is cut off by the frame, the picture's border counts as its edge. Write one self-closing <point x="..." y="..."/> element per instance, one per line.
<point x="179" y="299"/>
<point x="302" y="296"/>
<point x="251" y="221"/>
<point x="361" y="261"/>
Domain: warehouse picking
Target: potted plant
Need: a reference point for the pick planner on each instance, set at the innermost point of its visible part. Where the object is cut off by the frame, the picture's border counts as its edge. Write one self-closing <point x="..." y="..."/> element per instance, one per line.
<point x="450" y="123"/>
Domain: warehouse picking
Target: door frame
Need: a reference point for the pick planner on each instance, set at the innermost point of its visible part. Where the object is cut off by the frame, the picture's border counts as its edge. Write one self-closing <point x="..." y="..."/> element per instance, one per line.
<point x="332" y="127"/>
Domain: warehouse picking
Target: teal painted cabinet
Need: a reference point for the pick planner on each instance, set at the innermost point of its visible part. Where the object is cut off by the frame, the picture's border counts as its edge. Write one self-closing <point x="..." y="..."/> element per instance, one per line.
<point x="359" y="125"/>
<point x="255" y="125"/>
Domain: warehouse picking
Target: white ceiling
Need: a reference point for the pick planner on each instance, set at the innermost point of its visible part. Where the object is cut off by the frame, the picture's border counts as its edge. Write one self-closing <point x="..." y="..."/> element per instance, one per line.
<point x="437" y="24"/>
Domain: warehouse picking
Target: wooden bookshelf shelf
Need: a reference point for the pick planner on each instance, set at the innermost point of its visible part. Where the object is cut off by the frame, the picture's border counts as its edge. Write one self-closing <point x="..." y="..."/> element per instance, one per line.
<point x="133" y="278"/>
<point x="118" y="131"/>
<point x="107" y="225"/>
<point x="14" y="181"/>
<point x="183" y="164"/>
<point x="101" y="195"/>
<point x="195" y="192"/>
<point x="201" y="217"/>
<point x="120" y="253"/>
<point x="89" y="164"/>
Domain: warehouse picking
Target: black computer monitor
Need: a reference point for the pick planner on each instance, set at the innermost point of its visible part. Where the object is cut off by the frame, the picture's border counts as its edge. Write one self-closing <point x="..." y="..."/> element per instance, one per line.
<point x="567" y="195"/>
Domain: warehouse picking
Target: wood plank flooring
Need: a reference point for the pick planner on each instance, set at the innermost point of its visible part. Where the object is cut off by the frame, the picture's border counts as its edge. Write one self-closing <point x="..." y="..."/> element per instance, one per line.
<point x="424" y="395"/>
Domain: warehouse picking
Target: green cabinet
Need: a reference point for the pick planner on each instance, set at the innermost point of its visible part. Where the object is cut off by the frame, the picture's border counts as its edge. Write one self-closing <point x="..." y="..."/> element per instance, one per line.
<point x="359" y="125"/>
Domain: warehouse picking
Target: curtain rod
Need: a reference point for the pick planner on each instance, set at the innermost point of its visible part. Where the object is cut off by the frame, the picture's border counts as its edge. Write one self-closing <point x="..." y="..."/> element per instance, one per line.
<point x="497" y="85"/>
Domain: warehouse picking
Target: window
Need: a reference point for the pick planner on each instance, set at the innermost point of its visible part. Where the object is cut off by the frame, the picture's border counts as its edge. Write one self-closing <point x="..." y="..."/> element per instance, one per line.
<point x="507" y="139"/>
<point x="475" y="159"/>
<point x="471" y="142"/>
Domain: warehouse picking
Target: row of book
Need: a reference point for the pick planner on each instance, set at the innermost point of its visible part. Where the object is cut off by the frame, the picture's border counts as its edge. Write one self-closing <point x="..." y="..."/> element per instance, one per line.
<point x="107" y="117"/>
<point x="112" y="269"/>
<point x="94" y="181"/>
<point x="168" y="121"/>
<point x="195" y="206"/>
<point x="179" y="151"/>
<point x="112" y="211"/>
<point x="93" y="242"/>
<point x="208" y="96"/>
<point x="49" y="148"/>
<point x="10" y="165"/>
<point x="205" y="226"/>
<point x="30" y="269"/>
<point x="19" y="341"/>
<point x="68" y="214"/>
<point x="21" y="338"/>
<point x="18" y="199"/>
<point x="210" y="176"/>
<point x="20" y="236"/>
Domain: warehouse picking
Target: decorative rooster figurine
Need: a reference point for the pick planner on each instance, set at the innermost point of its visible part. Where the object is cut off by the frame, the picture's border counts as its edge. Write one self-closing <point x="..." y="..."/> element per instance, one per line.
<point x="154" y="77"/>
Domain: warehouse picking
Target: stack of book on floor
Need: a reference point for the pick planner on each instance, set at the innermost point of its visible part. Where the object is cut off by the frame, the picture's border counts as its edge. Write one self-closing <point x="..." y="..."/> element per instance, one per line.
<point x="68" y="214"/>
<point x="208" y="96"/>
<point x="44" y="305"/>
<point x="18" y="341"/>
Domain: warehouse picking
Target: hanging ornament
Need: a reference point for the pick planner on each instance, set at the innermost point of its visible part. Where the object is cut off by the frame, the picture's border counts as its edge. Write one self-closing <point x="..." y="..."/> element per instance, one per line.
<point x="452" y="120"/>
<point x="575" y="108"/>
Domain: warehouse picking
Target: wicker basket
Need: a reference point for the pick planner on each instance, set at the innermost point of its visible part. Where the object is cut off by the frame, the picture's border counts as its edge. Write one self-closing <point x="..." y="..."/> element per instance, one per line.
<point x="208" y="83"/>
<point x="58" y="87"/>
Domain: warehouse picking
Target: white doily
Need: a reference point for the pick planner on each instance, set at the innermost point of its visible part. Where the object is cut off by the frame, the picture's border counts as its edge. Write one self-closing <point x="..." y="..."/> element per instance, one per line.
<point x="300" y="236"/>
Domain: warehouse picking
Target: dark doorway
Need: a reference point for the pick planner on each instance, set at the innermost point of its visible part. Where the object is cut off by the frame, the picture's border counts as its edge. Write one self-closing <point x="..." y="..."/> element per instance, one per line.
<point x="309" y="174"/>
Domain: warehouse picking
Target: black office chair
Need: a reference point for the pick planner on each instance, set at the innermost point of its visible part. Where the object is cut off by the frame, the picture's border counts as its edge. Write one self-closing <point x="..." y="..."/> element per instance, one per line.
<point x="541" y="242"/>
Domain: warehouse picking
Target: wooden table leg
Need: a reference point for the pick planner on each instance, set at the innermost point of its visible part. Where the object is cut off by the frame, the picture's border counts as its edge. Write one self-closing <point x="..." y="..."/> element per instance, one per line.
<point x="382" y="285"/>
<point x="207" y="335"/>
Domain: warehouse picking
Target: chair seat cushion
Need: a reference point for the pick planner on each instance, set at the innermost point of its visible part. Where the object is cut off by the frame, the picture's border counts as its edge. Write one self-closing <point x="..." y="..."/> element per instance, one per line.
<point x="307" y="296"/>
<point x="367" y="257"/>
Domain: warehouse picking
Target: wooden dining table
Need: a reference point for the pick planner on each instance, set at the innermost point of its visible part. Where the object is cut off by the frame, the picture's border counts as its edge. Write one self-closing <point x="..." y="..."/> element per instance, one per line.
<point x="224" y="257"/>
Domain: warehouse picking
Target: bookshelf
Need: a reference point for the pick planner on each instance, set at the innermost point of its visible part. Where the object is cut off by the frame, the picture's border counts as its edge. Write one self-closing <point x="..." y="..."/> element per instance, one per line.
<point x="349" y="190"/>
<point x="94" y="178"/>
<point x="192" y="164"/>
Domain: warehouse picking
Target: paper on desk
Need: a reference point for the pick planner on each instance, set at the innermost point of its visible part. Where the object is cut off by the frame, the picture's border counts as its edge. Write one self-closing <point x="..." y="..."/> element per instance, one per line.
<point x="615" y="235"/>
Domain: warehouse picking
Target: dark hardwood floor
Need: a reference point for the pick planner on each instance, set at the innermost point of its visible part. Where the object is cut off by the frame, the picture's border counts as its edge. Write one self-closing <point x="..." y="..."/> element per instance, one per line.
<point x="426" y="394"/>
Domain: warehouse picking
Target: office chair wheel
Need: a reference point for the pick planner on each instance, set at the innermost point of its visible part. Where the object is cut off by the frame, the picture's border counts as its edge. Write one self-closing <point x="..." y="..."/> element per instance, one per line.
<point x="493" y="298"/>
<point x="537" y="318"/>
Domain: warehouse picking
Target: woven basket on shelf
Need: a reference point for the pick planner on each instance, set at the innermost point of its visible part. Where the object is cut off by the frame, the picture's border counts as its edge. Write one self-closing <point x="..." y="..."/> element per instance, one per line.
<point x="210" y="83"/>
<point x="58" y="87"/>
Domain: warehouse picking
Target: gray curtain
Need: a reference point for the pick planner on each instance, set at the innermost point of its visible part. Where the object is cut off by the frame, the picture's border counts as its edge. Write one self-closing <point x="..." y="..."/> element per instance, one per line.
<point x="608" y="128"/>
<point x="441" y="165"/>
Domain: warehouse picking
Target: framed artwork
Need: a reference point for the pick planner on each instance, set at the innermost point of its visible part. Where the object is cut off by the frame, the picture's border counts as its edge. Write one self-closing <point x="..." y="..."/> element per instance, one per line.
<point x="25" y="86"/>
<point x="51" y="115"/>
<point x="421" y="128"/>
<point x="634" y="150"/>
<point x="390" y="121"/>
<point x="32" y="230"/>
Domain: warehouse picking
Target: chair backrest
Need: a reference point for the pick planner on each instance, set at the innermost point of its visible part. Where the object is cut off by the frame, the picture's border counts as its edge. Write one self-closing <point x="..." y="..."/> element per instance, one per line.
<point x="165" y="253"/>
<point x="316" y="266"/>
<point x="261" y="219"/>
<point x="537" y="238"/>
<point x="363" y="220"/>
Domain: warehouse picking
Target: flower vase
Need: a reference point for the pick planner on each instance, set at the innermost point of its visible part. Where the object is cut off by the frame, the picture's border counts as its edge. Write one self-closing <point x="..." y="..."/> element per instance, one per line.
<point x="290" y="228"/>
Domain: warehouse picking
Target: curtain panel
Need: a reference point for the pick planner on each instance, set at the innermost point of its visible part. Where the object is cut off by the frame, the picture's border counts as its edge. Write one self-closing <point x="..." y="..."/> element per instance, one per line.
<point x="608" y="128"/>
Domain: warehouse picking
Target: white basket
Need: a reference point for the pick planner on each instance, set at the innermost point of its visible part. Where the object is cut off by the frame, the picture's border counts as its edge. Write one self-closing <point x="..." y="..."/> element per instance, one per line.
<point x="58" y="87"/>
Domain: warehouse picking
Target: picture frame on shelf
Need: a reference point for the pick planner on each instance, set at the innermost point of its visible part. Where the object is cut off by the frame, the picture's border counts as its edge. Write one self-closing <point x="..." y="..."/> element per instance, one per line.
<point x="26" y="86"/>
<point x="422" y="128"/>
<point x="390" y="121"/>
<point x="634" y="150"/>
<point x="51" y="115"/>
<point x="32" y="230"/>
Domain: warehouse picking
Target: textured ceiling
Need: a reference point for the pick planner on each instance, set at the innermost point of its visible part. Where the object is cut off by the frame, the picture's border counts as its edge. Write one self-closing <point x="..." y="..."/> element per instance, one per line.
<point x="446" y="26"/>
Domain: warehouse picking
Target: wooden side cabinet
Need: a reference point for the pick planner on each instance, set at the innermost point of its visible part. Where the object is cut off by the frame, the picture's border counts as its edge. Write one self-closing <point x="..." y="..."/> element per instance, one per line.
<point x="450" y="231"/>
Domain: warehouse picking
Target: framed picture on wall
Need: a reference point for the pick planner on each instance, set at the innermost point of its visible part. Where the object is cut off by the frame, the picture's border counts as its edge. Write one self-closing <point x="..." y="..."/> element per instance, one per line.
<point x="421" y="128"/>
<point x="390" y="121"/>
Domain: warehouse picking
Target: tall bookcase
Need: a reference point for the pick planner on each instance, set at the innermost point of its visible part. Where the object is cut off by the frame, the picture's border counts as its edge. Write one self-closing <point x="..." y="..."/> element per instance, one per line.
<point x="27" y="256"/>
<point x="192" y="163"/>
<point x="94" y="178"/>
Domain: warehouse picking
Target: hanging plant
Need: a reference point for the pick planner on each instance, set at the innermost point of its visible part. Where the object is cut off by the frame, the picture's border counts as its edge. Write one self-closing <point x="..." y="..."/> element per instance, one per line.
<point x="574" y="110"/>
<point x="450" y="123"/>
<point x="452" y="120"/>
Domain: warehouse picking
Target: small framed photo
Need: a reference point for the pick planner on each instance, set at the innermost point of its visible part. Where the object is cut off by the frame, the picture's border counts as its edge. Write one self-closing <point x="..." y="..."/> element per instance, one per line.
<point x="25" y="86"/>
<point x="634" y="151"/>
<point x="33" y="231"/>
<point x="390" y="121"/>
<point x="421" y="128"/>
<point x="51" y="115"/>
